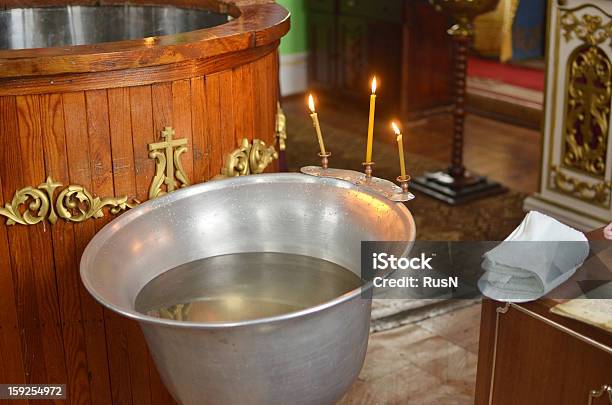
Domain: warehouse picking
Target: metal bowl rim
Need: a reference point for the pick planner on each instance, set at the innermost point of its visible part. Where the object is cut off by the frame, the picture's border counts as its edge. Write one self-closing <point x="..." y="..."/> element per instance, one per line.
<point x="103" y="235"/>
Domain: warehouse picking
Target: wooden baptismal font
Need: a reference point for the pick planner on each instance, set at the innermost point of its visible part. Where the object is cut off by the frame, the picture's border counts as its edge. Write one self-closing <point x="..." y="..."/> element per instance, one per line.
<point x="104" y="106"/>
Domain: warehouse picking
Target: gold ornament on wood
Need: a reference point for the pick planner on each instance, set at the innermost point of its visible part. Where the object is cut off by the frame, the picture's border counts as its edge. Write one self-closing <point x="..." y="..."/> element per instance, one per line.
<point x="168" y="167"/>
<point x="589" y="28"/>
<point x="281" y="127"/>
<point x="593" y="193"/>
<point x="248" y="159"/>
<point x="31" y="205"/>
<point x="74" y="203"/>
<point x="587" y="116"/>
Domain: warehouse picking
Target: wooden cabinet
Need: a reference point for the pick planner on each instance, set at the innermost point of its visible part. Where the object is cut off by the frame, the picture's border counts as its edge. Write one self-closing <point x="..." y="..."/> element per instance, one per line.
<point x="403" y="43"/>
<point x="529" y="356"/>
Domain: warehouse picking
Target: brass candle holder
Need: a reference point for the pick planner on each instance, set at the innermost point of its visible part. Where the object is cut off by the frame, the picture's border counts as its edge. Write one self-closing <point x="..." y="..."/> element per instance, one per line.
<point x="368" y="169"/>
<point x="404" y="181"/>
<point x="363" y="181"/>
<point x="325" y="159"/>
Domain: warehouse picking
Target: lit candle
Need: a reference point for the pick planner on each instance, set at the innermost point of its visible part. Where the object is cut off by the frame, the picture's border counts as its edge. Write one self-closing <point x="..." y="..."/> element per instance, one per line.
<point x="371" y="122"/>
<point x="315" y="122"/>
<point x="400" y="146"/>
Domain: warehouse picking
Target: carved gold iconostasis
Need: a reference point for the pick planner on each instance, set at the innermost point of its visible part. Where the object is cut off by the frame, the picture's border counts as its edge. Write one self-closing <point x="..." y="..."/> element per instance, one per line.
<point x="52" y="200"/>
<point x="576" y="170"/>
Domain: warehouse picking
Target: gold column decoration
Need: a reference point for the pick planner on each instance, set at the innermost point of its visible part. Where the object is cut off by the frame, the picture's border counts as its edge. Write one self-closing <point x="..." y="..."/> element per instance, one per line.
<point x="248" y="159"/>
<point x="595" y="193"/>
<point x="588" y="95"/>
<point x="587" y="114"/>
<point x="589" y="28"/>
<point x="168" y="167"/>
<point x="74" y="203"/>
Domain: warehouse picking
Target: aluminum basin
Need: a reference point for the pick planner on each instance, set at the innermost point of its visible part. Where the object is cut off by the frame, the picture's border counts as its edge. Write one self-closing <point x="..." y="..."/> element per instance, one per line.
<point x="311" y="356"/>
<point x="61" y="26"/>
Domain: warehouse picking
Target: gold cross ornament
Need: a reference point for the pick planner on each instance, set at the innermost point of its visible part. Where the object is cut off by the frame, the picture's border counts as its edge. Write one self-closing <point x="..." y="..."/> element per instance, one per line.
<point x="168" y="167"/>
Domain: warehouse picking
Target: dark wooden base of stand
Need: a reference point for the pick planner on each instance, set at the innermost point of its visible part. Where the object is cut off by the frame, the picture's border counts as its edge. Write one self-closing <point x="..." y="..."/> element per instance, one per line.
<point x="454" y="191"/>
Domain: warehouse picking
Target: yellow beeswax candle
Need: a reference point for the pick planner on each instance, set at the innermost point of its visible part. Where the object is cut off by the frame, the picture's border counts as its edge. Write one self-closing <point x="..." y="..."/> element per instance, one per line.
<point x="400" y="147"/>
<point x="371" y="122"/>
<point x="315" y="123"/>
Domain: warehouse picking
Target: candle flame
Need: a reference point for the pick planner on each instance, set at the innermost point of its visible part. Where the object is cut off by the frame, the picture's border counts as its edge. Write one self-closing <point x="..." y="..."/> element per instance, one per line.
<point x="311" y="104"/>
<point x="374" y="85"/>
<point x="396" y="129"/>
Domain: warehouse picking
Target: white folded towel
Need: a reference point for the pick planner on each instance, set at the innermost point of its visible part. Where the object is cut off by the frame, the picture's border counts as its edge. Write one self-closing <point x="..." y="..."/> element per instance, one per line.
<point x="538" y="256"/>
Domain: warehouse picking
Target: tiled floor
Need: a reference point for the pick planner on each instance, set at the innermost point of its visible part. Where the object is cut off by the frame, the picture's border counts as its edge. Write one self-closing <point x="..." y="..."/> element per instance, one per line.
<point x="428" y="362"/>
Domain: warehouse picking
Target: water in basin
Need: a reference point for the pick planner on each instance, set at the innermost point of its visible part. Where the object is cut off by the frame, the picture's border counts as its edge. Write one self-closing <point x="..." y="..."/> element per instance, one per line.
<point x="45" y="27"/>
<point x="244" y="286"/>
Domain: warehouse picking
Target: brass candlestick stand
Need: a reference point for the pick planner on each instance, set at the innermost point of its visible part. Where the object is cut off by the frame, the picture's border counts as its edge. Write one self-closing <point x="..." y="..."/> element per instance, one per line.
<point x="456" y="185"/>
<point x="363" y="180"/>
<point x="368" y="169"/>
<point x="324" y="159"/>
<point x="403" y="181"/>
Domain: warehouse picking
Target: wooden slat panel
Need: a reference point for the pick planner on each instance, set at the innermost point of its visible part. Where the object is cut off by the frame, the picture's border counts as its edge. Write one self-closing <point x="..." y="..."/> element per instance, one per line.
<point x="12" y="368"/>
<point x="273" y="92"/>
<point x="159" y="393"/>
<point x="33" y="169"/>
<point x="162" y="117"/>
<point x="98" y="129"/>
<point x="227" y="103"/>
<point x="142" y="134"/>
<point x="77" y="151"/>
<point x="181" y="119"/>
<point x="276" y="74"/>
<point x="162" y="108"/>
<point x="121" y="142"/>
<point x="260" y="96"/>
<point x="199" y="123"/>
<point x="248" y="73"/>
<point x="125" y="184"/>
<point x="239" y="107"/>
<point x="270" y="100"/>
<point x="65" y="260"/>
<point x="213" y="113"/>
<point x="23" y="274"/>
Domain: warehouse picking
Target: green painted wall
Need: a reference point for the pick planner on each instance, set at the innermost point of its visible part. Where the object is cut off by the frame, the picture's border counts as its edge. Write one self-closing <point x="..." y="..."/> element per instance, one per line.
<point x="296" y="40"/>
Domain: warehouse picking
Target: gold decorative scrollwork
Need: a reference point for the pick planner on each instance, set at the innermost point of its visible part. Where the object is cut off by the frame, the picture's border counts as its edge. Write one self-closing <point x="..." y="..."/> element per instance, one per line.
<point x="248" y="159"/>
<point x="168" y="167"/>
<point x="281" y="127"/>
<point x="74" y="203"/>
<point x="31" y="205"/>
<point x="595" y="193"/>
<point x="36" y="209"/>
<point x="589" y="28"/>
<point x="589" y="91"/>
